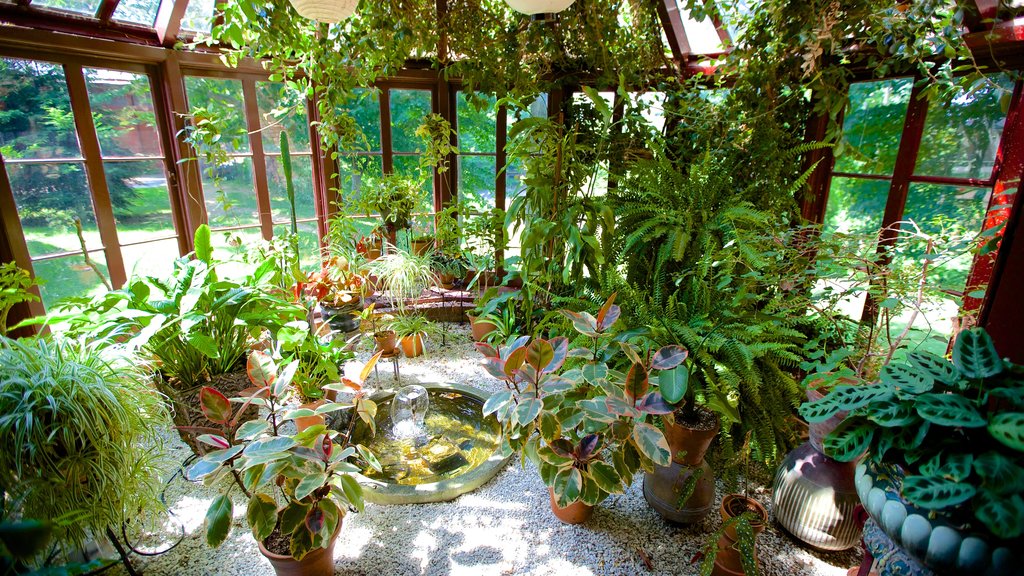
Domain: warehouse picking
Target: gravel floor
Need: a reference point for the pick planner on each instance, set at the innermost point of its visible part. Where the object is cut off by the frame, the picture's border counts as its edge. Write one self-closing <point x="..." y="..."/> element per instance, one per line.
<point x="504" y="527"/>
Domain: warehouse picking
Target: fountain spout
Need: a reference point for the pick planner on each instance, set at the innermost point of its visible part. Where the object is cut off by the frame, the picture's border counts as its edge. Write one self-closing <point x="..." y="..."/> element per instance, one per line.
<point x="408" y="411"/>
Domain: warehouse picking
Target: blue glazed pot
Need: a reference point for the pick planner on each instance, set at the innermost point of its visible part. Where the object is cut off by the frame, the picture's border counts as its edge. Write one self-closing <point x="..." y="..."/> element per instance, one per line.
<point x="936" y="544"/>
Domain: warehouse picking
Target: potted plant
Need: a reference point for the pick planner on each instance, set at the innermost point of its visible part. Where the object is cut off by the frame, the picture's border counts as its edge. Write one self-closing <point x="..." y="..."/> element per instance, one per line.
<point x="339" y="288"/>
<point x="944" y="454"/>
<point x="484" y="304"/>
<point x="684" y="490"/>
<point x="299" y="486"/>
<point x="585" y="428"/>
<point x="412" y="331"/>
<point x="80" y="423"/>
<point x="197" y="326"/>
<point x="732" y="550"/>
<point x="421" y="238"/>
<point x="394" y="197"/>
<point x="403" y="275"/>
<point x="448" y="268"/>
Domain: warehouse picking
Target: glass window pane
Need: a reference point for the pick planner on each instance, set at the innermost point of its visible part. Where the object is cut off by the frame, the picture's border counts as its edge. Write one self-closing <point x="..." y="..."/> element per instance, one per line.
<point x="221" y="102"/>
<point x="653" y="108"/>
<point x="122" y="110"/>
<point x="309" y="242"/>
<point x="958" y="211"/>
<point x="960" y="140"/>
<point x="87" y="7"/>
<point x="856" y="205"/>
<point x="142" y="203"/>
<point x="36" y="119"/>
<point x="702" y="35"/>
<point x="151" y="258"/>
<point x="70" y="276"/>
<point x="477" y="127"/>
<point x="137" y="11"/>
<point x="355" y="171"/>
<point x="364" y="108"/>
<point x="282" y="109"/>
<point x="476" y="181"/>
<point x="49" y="197"/>
<point x="408" y="109"/>
<point x="873" y="125"/>
<point x="302" y="179"/>
<point x="409" y="166"/>
<point x="198" y="16"/>
<point x="230" y="193"/>
<point x="229" y="246"/>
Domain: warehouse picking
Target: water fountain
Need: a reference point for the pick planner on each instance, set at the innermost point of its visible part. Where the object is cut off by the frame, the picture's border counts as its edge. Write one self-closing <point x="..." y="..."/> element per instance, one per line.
<point x="433" y="444"/>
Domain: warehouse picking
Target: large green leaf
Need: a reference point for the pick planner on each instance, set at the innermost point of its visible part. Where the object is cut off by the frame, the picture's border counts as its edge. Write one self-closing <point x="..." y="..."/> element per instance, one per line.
<point x="939" y="369"/>
<point x="890" y="413"/>
<point x="975" y="355"/>
<point x="550" y="427"/>
<point x="605" y="476"/>
<point x="849" y="440"/>
<point x="353" y="491"/>
<point x="1002" y="515"/>
<point x="568" y="485"/>
<point x="309" y="484"/>
<point x="674" y="383"/>
<point x="496" y="402"/>
<point x="272" y="445"/>
<point x="527" y="411"/>
<point x="215" y="406"/>
<point x="261" y="516"/>
<point x="218" y="520"/>
<point x="951" y="466"/>
<point x="592" y="372"/>
<point x="906" y="380"/>
<point x="1008" y="428"/>
<point x="293" y="516"/>
<point x="652" y="443"/>
<point x="201" y="240"/>
<point x="934" y="493"/>
<point x="949" y="410"/>
<point x="539" y="354"/>
<point x="849" y="398"/>
<point x="999" y="474"/>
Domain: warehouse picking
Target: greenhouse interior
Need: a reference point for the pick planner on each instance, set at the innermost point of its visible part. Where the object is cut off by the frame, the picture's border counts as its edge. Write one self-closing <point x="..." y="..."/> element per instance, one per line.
<point x="501" y="287"/>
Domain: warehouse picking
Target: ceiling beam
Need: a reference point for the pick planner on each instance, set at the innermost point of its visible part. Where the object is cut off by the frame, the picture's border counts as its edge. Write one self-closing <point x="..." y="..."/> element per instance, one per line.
<point x="672" y="23"/>
<point x="85" y="28"/>
<point x="168" y="21"/>
<point x="979" y="15"/>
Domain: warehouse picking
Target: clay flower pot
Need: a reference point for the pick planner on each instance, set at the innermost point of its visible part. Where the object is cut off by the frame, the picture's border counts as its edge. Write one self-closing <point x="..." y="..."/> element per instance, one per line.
<point x="575" y="513"/>
<point x="727" y="561"/>
<point x="480" y="328"/>
<point x="664" y="488"/>
<point x="319" y="562"/>
<point x="412" y="346"/>
<point x="386" y="341"/>
<point x="447" y="281"/>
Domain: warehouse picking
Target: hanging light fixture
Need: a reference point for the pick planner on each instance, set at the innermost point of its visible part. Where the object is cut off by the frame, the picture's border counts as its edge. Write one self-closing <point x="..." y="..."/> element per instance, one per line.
<point x="325" y="10"/>
<point x="539" y="6"/>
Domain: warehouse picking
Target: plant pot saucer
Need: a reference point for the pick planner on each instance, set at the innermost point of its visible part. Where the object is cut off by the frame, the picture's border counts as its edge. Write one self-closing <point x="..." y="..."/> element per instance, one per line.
<point x="390" y="354"/>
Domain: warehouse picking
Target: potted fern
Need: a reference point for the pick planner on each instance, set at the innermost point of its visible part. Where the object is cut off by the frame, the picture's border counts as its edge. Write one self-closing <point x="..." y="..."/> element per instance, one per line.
<point x="412" y="331"/>
<point x="944" y="444"/>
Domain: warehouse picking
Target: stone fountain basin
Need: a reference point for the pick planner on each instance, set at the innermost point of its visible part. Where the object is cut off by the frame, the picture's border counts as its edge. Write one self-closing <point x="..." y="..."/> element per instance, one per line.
<point x="380" y="492"/>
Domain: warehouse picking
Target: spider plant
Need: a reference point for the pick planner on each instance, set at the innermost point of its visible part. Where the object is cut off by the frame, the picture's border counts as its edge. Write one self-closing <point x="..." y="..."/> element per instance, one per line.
<point x="403" y="275"/>
<point x="78" y="435"/>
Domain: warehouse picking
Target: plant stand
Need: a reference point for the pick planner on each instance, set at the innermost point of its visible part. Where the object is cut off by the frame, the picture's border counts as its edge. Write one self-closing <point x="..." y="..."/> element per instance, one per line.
<point x="393" y="358"/>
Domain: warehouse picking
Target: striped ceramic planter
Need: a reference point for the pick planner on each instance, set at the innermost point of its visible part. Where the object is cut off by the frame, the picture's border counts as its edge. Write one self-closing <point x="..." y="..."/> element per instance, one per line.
<point x="814" y="498"/>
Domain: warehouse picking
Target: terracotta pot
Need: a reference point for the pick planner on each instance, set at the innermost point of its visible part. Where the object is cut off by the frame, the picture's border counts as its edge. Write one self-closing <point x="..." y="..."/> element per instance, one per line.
<point x="447" y="281"/>
<point x="480" y="329"/>
<point x="421" y="247"/>
<point x="374" y="249"/>
<point x="319" y="562"/>
<point x="386" y="341"/>
<point x="693" y="442"/>
<point x="575" y="513"/>
<point x="412" y="346"/>
<point x="303" y="422"/>
<point x="727" y="561"/>
<point x="664" y="487"/>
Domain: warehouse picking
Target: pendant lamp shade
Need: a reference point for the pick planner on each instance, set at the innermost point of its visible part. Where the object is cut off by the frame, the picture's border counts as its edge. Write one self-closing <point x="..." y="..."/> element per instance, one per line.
<point x="325" y="10"/>
<point x="539" y="6"/>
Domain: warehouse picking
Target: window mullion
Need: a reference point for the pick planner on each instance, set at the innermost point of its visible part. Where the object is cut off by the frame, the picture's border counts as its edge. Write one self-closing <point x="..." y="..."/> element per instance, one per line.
<point x="105" y="222"/>
<point x="259" y="159"/>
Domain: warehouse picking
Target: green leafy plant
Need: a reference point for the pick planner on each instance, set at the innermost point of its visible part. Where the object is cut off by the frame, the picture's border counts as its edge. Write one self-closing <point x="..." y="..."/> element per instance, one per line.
<point x="15" y="287"/>
<point x="78" y="433"/>
<point x="298" y="485"/>
<point x="403" y="275"/>
<point x="585" y="428"/>
<point x="954" y="429"/>
<point x="436" y="133"/>
<point x="412" y="324"/>
<point x="394" y="197"/>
